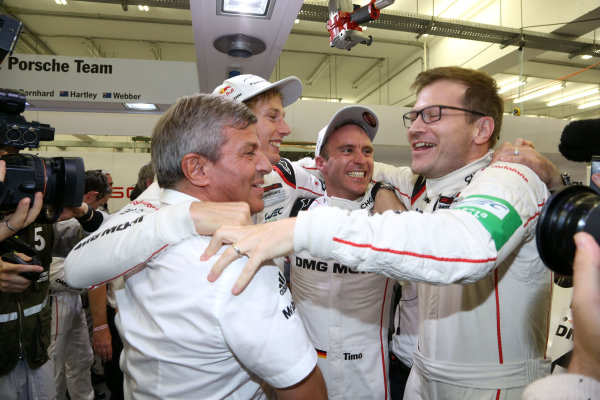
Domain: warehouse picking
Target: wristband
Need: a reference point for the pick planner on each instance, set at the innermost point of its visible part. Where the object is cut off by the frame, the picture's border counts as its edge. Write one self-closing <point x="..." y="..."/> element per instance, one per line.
<point x="381" y="185"/>
<point x="101" y="327"/>
<point x="87" y="216"/>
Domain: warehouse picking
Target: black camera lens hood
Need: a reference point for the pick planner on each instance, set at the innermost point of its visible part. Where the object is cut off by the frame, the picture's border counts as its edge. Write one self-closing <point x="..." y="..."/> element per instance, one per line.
<point x="570" y="210"/>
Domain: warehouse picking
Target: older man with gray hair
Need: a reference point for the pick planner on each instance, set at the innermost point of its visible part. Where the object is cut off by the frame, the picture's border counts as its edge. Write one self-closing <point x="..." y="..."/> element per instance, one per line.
<point x="184" y="337"/>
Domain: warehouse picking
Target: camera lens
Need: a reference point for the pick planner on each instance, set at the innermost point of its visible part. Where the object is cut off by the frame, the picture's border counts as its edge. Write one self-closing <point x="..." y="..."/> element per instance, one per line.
<point x="568" y="211"/>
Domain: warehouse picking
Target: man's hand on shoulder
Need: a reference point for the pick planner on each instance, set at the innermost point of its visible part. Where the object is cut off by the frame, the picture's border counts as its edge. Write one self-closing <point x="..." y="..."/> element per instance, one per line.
<point x="209" y="216"/>
<point x="523" y="152"/>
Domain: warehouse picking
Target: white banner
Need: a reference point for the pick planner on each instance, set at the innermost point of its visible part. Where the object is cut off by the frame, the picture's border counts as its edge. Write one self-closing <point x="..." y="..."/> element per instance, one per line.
<point x="108" y="80"/>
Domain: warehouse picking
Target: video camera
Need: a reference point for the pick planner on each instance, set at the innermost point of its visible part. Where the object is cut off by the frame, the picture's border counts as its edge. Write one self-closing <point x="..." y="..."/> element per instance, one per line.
<point x="60" y="179"/>
<point x="570" y="210"/>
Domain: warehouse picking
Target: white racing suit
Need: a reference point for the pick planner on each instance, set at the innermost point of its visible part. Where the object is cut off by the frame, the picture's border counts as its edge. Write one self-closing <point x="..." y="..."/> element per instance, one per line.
<point x="70" y="349"/>
<point x="346" y="314"/>
<point x="141" y="231"/>
<point x="484" y="294"/>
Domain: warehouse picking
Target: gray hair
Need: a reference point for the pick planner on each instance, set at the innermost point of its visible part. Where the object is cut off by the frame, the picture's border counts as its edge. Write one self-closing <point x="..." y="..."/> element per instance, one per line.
<point x="145" y="173"/>
<point x="194" y="124"/>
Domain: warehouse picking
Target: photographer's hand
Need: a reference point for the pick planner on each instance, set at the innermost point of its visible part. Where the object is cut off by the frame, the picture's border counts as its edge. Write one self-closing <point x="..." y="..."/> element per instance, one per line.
<point x="23" y="215"/>
<point x="586" y="307"/>
<point x="10" y="280"/>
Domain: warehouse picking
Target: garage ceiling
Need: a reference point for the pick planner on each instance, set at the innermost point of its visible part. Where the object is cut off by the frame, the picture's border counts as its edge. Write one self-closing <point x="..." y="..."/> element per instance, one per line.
<point x="377" y="74"/>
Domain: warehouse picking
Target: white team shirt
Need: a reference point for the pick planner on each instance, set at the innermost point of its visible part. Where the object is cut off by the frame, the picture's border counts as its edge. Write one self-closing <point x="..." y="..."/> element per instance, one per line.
<point x="185" y="337"/>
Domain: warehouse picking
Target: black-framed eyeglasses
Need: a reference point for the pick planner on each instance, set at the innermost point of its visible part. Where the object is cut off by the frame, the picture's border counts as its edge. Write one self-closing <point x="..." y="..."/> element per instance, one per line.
<point x="432" y="114"/>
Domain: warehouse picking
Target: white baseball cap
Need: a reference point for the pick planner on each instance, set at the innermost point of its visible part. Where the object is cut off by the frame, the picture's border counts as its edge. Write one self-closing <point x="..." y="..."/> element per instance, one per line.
<point x="243" y="87"/>
<point x="359" y="115"/>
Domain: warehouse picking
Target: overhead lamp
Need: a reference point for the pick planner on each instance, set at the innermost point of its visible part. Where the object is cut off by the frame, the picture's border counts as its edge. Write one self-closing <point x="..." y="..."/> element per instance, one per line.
<point x="239" y="45"/>
<point x="533" y="94"/>
<point x="141" y="106"/>
<point x="506" y="86"/>
<point x="571" y="97"/>
<point x="318" y="71"/>
<point x="296" y="21"/>
<point x="586" y="57"/>
<point x="61" y="2"/>
<point x="250" y="8"/>
<point x="143" y="8"/>
<point x="590" y="104"/>
<point x="327" y="99"/>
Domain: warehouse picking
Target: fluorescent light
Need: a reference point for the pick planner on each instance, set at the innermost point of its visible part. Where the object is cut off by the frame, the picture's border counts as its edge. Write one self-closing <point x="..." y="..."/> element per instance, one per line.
<point x="61" y="2"/>
<point x="141" y="106"/>
<point x="586" y="57"/>
<point x="296" y="21"/>
<point x="590" y="104"/>
<point x="318" y="71"/>
<point x="571" y="97"/>
<point x="143" y="8"/>
<point x="506" y="86"/>
<point x="247" y="7"/>
<point x="532" y="94"/>
<point x="329" y="100"/>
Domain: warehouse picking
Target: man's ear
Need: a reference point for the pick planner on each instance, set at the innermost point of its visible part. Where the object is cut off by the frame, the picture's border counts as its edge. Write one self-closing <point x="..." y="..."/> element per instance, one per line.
<point x="196" y="169"/>
<point x="485" y="129"/>
<point x="90" y="196"/>
<point x="321" y="164"/>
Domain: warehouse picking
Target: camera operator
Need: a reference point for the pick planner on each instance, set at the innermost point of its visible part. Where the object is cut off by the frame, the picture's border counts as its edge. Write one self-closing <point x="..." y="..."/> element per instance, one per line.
<point x="24" y="310"/>
<point x="25" y="314"/>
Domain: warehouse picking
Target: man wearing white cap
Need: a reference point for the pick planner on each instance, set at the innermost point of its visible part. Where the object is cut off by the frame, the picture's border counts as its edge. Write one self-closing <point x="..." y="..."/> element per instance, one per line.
<point x="141" y="233"/>
<point x="346" y="314"/>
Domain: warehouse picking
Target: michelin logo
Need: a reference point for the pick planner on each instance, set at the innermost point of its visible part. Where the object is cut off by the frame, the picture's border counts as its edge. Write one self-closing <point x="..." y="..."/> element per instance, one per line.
<point x="493" y="207"/>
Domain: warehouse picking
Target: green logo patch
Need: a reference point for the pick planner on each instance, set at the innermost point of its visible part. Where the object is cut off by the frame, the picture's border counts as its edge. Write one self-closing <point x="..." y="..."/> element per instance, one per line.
<point x="496" y="215"/>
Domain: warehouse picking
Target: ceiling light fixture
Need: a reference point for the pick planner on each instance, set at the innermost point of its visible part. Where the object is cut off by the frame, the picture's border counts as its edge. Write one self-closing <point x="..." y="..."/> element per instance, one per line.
<point x="239" y="45"/>
<point x="571" y="97"/>
<point x="586" y="57"/>
<point x="506" y="86"/>
<point x="141" y="106"/>
<point x="143" y="8"/>
<point x="590" y="104"/>
<point x="61" y="2"/>
<point x="251" y="8"/>
<point x="535" y="93"/>
<point x="318" y="71"/>
<point x="326" y="99"/>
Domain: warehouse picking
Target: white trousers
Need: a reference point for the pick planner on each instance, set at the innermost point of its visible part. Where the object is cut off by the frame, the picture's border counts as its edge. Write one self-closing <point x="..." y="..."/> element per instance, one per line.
<point x="70" y="348"/>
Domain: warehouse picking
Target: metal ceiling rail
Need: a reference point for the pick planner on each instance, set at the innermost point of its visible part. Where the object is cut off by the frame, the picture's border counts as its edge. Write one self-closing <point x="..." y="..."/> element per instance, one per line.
<point x="426" y="24"/>
<point x="422" y="24"/>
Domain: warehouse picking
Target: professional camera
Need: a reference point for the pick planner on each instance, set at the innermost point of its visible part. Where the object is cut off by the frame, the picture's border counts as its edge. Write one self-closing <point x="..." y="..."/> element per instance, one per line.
<point x="570" y="210"/>
<point x="60" y="179"/>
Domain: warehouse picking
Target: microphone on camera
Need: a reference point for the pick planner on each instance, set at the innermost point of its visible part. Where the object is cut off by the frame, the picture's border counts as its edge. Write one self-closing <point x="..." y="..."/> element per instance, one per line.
<point x="580" y="140"/>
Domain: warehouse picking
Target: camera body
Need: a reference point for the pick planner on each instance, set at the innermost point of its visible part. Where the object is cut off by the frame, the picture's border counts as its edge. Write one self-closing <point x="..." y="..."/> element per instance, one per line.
<point x="60" y="179"/>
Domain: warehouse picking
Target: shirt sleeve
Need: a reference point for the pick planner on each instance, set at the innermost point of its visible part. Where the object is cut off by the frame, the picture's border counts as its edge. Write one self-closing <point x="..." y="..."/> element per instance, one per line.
<point x="128" y="239"/>
<point x="402" y="178"/>
<point x="264" y="331"/>
<point x="564" y="387"/>
<point x="495" y="213"/>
